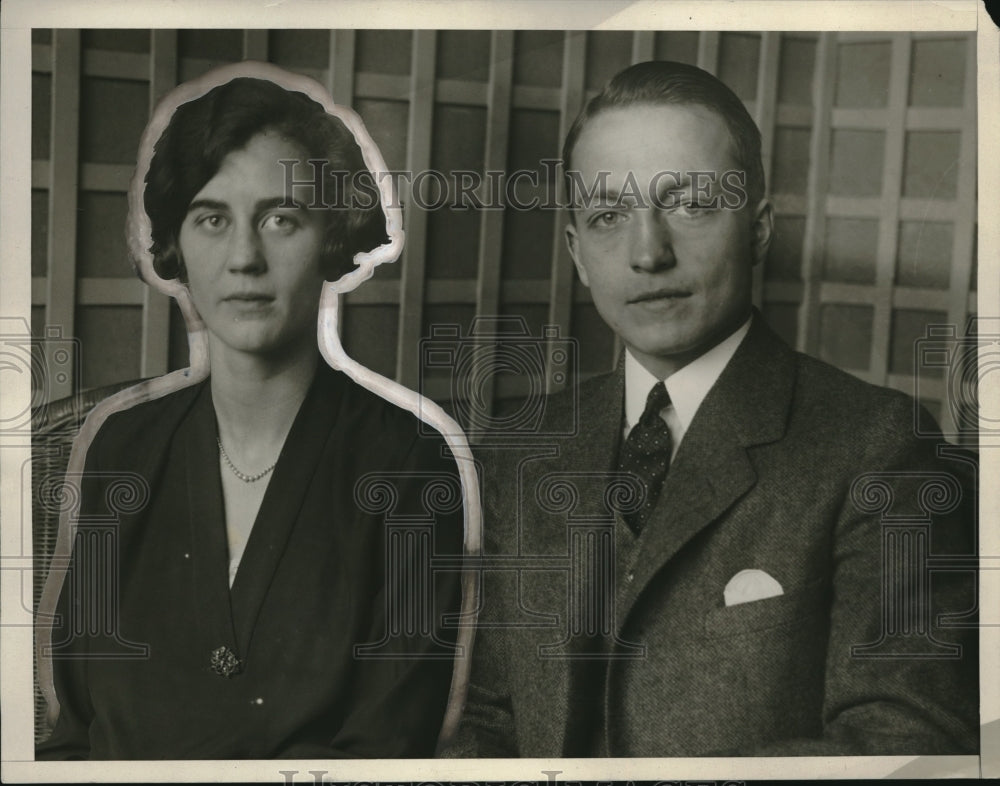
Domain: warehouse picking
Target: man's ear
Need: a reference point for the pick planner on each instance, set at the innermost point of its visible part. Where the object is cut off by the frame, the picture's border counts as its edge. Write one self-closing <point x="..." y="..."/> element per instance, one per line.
<point x="572" y="242"/>
<point x="763" y="230"/>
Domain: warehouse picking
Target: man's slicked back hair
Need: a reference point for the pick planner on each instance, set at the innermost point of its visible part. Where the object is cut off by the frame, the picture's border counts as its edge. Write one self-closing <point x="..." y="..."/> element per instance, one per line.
<point x="659" y="82"/>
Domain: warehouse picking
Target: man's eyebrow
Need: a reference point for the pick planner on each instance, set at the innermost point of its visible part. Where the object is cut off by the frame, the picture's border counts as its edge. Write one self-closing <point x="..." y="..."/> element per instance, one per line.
<point x="679" y="185"/>
<point x="601" y="198"/>
<point x="686" y="181"/>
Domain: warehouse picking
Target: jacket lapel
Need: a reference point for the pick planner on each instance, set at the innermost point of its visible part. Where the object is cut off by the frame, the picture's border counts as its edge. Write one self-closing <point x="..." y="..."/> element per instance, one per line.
<point x="584" y="461"/>
<point x="148" y="458"/>
<point x="601" y="406"/>
<point x="747" y="406"/>
<point x="298" y="462"/>
<point x="207" y="523"/>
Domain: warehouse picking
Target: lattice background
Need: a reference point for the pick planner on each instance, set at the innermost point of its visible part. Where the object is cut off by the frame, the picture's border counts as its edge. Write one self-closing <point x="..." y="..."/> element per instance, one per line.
<point x="869" y="151"/>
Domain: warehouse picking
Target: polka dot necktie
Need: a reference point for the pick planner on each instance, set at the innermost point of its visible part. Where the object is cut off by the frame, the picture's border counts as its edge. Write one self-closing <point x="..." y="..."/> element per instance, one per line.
<point x="646" y="454"/>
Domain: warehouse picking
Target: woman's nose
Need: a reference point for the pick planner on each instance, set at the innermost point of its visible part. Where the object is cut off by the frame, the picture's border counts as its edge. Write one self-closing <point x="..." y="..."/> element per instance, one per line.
<point x="245" y="252"/>
<point x="652" y="247"/>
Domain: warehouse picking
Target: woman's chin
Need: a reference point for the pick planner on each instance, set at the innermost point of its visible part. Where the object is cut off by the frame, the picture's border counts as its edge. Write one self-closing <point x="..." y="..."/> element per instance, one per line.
<point x="265" y="344"/>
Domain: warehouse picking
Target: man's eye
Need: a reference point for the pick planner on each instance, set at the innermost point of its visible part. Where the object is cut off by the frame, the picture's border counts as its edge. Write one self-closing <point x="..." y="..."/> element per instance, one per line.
<point x="693" y="209"/>
<point x="606" y="219"/>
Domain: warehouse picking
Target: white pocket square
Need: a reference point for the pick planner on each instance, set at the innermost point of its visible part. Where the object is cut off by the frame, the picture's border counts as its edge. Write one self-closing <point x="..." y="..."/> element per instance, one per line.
<point x="749" y="585"/>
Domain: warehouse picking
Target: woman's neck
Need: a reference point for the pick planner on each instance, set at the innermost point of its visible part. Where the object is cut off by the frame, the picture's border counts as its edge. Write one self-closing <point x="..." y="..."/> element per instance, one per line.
<point x="256" y="399"/>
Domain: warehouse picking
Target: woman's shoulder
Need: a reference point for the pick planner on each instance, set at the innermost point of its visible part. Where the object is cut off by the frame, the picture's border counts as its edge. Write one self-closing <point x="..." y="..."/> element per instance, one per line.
<point x="381" y="422"/>
<point x="139" y="424"/>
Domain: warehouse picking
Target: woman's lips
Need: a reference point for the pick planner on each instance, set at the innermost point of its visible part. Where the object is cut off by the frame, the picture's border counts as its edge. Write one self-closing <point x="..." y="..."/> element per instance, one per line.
<point x="249" y="303"/>
<point x="249" y="297"/>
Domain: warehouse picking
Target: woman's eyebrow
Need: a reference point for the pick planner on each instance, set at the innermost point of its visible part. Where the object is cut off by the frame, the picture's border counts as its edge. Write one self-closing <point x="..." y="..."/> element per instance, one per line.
<point x="284" y="202"/>
<point x="207" y="204"/>
<point x="259" y="207"/>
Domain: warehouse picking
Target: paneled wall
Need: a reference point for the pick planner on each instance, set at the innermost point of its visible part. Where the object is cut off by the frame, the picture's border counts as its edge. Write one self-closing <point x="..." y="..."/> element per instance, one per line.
<point x="869" y="151"/>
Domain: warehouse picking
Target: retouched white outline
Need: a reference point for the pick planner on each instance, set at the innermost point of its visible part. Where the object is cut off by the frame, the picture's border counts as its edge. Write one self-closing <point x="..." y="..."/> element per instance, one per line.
<point x="788" y="16"/>
<point x="140" y="240"/>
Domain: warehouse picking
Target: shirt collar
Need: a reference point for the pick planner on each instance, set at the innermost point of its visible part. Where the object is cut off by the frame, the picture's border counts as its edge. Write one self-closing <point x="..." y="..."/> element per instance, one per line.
<point x="687" y="387"/>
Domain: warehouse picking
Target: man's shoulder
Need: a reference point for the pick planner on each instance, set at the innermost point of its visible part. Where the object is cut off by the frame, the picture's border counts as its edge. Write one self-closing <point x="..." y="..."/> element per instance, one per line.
<point x="826" y="392"/>
<point x="819" y="391"/>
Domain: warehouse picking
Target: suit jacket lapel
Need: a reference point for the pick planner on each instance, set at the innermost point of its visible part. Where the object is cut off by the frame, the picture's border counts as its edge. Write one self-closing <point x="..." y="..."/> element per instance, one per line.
<point x="298" y="462"/>
<point x="747" y="406"/>
<point x="601" y="406"/>
<point x="584" y="461"/>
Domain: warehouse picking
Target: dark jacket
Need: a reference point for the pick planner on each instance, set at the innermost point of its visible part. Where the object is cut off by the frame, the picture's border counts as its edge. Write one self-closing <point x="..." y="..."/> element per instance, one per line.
<point x="312" y="586"/>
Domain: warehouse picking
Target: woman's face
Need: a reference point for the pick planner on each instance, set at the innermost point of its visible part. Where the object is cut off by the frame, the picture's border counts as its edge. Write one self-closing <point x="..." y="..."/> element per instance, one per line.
<point x="254" y="267"/>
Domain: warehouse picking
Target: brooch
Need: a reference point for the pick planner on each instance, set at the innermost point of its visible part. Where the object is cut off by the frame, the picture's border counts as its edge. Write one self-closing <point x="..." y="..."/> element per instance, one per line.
<point x="225" y="663"/>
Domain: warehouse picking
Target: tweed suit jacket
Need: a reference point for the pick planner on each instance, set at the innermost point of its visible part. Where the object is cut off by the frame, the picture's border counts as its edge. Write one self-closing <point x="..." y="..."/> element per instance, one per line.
<point x="659" y="665"/>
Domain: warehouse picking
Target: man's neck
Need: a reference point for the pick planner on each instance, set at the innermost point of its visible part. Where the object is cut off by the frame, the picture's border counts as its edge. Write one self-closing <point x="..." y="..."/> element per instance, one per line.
<point x="687" y="387"/>
<point x="664" y="366"/>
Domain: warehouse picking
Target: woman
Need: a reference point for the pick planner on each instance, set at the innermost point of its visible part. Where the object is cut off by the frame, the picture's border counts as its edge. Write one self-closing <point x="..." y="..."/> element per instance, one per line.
<point x="252" y="580"/>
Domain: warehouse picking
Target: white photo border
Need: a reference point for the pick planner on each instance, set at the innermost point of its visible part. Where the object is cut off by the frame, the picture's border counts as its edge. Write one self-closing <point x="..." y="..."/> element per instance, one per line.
<point x="19" y="16"/>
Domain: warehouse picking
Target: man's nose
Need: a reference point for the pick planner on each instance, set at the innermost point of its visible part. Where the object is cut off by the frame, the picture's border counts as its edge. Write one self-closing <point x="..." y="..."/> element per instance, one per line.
<point x="245" y="252"/>
<point x="652" y="247"/>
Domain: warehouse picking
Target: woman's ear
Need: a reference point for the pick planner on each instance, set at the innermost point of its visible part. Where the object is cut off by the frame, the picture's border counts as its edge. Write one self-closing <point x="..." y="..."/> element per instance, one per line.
<point x="168" y="262"/>
<point x="334" y="261"/>
<point x="350" y="231"/>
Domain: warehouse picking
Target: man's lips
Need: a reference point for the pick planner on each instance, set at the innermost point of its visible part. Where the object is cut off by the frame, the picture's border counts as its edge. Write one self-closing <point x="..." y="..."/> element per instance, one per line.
<point x="659" y="294"/>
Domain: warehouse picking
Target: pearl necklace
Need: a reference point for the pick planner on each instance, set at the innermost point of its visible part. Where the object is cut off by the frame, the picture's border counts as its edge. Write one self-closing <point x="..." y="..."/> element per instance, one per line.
<point x="241" y="475"/>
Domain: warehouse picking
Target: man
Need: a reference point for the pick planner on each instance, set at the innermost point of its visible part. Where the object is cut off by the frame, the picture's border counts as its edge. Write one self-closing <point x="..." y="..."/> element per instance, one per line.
<point x="732" y="603"/>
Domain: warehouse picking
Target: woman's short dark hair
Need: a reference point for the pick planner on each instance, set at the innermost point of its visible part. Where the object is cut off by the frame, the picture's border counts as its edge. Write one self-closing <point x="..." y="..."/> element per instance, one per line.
<point x="668" y="82"/>
<point x="202" y="132"/>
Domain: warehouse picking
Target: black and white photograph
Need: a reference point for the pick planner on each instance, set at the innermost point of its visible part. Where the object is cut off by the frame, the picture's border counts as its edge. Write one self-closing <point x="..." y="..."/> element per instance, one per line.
<point x="458" y="392"/>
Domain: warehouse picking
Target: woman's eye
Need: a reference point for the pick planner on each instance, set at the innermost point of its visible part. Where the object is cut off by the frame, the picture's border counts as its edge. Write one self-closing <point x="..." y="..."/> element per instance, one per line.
<point x="212" y="222"/>
<point x="279" y="222"/>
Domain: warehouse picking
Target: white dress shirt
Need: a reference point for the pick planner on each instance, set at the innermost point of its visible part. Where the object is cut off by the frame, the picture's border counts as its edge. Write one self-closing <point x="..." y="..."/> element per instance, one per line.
<point x="687" y="387"/>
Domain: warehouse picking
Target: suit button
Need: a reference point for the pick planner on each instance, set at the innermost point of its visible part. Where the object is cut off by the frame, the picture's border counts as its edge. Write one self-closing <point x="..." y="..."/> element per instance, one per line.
<point x="630" y="577"/>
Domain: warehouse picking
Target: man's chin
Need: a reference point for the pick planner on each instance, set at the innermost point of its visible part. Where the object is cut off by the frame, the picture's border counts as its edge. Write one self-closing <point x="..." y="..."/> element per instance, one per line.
<point x="664" y="344"/>
<point x="664" y="353"/>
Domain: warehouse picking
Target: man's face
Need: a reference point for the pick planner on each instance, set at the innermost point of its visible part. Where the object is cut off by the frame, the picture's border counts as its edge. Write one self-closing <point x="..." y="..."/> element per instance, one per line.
<point x="671" y="271"/>
<point x="253" y="267"/>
